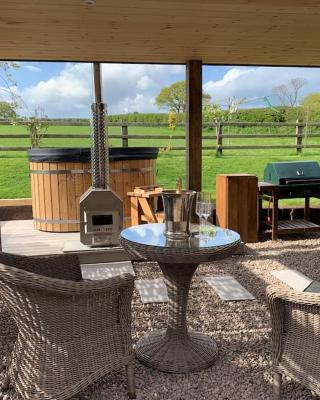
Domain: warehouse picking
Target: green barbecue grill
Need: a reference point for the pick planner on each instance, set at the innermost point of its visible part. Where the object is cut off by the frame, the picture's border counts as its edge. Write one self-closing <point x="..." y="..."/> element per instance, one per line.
<point x="296" y="179"/>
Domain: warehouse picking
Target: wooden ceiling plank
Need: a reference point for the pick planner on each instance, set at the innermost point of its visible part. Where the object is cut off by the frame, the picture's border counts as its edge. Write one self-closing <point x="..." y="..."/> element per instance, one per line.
<point x="278" y="32"/>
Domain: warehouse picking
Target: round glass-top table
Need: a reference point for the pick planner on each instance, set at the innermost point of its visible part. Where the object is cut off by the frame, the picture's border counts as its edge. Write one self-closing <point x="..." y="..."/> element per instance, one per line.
<point x="177" y="349"/>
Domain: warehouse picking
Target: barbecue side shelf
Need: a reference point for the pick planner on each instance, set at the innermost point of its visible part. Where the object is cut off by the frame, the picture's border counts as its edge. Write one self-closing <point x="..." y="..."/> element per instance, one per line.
<point x="270" y="192"/>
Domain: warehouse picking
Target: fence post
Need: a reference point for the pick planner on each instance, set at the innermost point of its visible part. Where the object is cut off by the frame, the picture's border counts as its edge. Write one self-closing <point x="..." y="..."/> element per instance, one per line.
<point x="124" y="134"/>
<point x="299" y="131"/>
<point x="219" y="139"/>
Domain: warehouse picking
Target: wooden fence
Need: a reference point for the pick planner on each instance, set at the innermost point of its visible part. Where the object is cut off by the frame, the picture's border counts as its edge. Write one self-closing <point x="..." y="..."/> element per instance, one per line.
<point x="217" y="137"/>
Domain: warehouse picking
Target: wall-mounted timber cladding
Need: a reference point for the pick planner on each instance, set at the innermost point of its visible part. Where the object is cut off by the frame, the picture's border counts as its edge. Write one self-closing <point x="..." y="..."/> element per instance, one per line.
<point x="168" y="31"/>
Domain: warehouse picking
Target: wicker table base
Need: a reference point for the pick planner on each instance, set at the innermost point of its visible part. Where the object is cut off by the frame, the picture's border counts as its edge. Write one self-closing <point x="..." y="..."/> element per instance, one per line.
<point x="192" y="353"/>
<point x="176" y="349"/>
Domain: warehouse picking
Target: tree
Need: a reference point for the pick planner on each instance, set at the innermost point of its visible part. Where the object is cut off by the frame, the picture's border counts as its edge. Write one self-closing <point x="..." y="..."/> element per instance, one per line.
<point x="7" y="110"/>
<point x="233" y="104"/>
<point x="205" y="98"/>
<point x="212" y="113"/>
<point x="173" y="97"/>
<point x="37" y="126"/>
<point x="6" y="80"/>
<point x="10" y="98"/>
<point x="288" y="94"/>
<point x="310" y="104"/>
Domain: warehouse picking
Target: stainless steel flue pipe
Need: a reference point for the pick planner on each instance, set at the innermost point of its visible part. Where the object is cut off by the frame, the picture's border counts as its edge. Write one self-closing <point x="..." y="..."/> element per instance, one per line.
<point x="99" y="147"/>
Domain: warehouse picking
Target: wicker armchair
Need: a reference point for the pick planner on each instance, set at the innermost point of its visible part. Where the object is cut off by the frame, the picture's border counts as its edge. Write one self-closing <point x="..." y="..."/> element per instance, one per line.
<point x="295" y="319"/>
<point x="70" y="332"/>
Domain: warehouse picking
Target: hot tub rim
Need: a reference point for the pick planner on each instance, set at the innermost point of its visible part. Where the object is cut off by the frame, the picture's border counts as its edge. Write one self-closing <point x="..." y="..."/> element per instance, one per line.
<point x="83" y="154"/>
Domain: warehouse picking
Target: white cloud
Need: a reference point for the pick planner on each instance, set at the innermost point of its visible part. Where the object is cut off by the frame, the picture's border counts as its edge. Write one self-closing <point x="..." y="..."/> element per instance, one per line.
<point x="257" y="82"/>
<point x="32" y="68"/>
<point x="126" y="88"/>
<point x="138" y="103"/>
<point x="133" y="87"/>
<point x="145" y="83"/>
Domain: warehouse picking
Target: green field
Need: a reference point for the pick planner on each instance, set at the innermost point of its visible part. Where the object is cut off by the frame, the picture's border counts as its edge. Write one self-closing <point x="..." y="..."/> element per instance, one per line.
<point x="14" y="176"/>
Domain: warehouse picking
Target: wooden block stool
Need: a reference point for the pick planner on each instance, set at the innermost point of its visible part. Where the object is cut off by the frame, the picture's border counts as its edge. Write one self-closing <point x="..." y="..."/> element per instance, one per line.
<point x="146" y="205"/>
<point x="236" y="204"/>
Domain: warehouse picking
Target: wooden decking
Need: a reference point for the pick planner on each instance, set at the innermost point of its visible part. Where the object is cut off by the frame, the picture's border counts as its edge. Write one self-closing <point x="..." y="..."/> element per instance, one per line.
<point x="19" y="237"/>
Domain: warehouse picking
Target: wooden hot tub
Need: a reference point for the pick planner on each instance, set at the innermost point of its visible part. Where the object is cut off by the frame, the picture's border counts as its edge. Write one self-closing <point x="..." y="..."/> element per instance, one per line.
<point x="59" y="176"/>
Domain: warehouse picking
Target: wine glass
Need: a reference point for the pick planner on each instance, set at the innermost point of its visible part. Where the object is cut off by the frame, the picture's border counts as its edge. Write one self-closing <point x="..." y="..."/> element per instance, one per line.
<point x="204" y="208"/>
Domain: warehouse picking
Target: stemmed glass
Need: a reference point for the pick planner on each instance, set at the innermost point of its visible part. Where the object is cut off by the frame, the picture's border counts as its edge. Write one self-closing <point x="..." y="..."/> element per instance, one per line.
<point x="204" y="208"/>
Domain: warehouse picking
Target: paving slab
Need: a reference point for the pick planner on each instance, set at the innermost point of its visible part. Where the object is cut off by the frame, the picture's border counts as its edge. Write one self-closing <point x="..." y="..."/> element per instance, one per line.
<point x="152" y="290"/>
<point x="101" y="271"/>
<point x="228" y="288"/>
<point x="293" y="278"/>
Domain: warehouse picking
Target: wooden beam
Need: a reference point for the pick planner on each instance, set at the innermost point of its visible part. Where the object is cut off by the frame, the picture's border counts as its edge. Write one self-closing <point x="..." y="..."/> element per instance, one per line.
<point x="194" y="125"/>
<point x="168" y="31"/>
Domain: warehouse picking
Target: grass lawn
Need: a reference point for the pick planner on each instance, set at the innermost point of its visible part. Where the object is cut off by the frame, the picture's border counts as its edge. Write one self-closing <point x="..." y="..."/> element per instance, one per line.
<point x="14" y="176"/>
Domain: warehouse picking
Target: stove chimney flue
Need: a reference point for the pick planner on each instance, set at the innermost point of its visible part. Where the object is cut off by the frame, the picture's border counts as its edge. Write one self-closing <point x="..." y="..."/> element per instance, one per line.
<point x="101" y="209"/>
<point x="99" y="149"/>
<point x="97" y="82"/>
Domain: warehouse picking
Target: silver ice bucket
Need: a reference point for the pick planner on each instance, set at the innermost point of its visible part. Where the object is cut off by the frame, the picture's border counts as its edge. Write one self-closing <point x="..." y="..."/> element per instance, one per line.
<point x="177" y="213"/>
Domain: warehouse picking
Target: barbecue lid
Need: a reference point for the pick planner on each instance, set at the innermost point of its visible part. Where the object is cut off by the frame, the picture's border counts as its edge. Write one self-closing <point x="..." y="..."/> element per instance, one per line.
<point x="298" y="170"/>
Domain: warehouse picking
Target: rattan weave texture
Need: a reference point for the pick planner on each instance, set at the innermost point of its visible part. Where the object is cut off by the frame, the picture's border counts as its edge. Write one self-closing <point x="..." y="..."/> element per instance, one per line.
<point x="70" y="332"/>
<point x="179" y="255"/>
<point x="295" y="319"/>
<point x="177" y="350"/>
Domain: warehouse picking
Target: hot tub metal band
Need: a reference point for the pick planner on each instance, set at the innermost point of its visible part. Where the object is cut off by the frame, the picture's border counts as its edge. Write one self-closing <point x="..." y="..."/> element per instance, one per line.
<point x="87" y="171"/>
<point x="62" y="221"/>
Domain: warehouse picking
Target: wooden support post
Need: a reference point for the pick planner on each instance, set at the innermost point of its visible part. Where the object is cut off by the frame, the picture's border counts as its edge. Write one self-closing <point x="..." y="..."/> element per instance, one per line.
<point x="299" y="132"/>
<point x="124" y="134"/>
<point x="194" y="125"/>
<point x="275" y="211"/>
<point x="307" y="208"/>
<point x="219" y="139"/>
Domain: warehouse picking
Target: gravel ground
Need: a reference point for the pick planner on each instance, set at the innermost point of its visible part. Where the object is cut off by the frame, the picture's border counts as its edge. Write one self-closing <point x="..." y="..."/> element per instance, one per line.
<point x="241" y="329"/>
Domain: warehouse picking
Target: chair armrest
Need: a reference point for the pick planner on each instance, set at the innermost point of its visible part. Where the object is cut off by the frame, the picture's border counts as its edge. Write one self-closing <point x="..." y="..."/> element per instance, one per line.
<point x="62" y="287"/>
<point x="286" y="294"/>
<point x="64" y="266"/>
<point x="119" y="282"/>
<point x="280" y="300"/>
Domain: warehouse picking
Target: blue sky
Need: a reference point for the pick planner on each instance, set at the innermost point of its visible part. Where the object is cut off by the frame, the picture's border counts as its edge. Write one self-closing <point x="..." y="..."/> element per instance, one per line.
<point x="30" y="73"/>
<point x="65" y="89"/>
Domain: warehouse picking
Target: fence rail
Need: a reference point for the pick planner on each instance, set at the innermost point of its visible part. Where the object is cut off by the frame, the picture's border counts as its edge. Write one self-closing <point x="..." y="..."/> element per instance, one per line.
<point x="217" y="137"/>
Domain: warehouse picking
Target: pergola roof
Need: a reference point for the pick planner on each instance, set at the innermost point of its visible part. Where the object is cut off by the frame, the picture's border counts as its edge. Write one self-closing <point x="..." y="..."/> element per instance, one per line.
<point x="273" y="32"/>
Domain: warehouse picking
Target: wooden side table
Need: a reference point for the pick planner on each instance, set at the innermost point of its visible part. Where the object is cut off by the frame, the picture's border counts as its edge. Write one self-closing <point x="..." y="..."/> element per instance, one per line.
<point x="236" y="204"/>
<point x="145" y="205"/>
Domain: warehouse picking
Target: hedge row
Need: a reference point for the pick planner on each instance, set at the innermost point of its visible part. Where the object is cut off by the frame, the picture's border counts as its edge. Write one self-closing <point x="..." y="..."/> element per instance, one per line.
<point x="252" y="115"/>
<point x="143" y="117"/>
<point x="281" y="114"/>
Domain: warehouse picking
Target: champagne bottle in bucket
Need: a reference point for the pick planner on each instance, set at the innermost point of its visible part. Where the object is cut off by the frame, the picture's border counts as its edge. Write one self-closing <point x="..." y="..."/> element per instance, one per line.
<point x="177" y="210"/>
